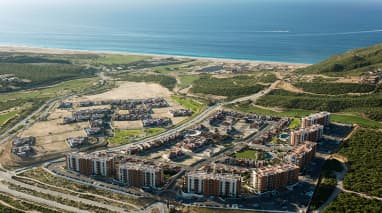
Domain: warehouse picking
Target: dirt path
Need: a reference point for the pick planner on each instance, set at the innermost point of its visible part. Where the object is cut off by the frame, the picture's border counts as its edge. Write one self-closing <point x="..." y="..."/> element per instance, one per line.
<point x="340" y="187"/>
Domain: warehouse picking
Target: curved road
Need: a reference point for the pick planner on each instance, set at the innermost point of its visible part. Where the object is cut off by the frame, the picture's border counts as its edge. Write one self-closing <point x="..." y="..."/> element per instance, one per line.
<point x="7" y="176"/>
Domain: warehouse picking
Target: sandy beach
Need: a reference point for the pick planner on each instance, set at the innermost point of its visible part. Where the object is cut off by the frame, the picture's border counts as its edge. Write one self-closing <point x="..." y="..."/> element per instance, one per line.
<point x="40" y="50"/>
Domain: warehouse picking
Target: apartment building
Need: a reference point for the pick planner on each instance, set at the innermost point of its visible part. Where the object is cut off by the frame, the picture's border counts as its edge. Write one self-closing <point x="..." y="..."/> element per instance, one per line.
<point x="98" y="163"/>
<point x="302" y="155"/>
<point x="140" y="175"/>
<point x="211" y="184"/>
<point x="273" y="178"/>
<point x="311" y="133"/>
<point x="314" y="132"/>
<point x="297" y="137"/>
<point x="322" y="118"/>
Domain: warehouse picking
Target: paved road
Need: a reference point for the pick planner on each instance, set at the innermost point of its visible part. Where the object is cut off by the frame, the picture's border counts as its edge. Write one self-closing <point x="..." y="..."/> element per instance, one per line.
<point x="48" y="105"/>
<point x="200" y="117"/>
<point x="340" y="188"/>
<point x="7" y="176"/>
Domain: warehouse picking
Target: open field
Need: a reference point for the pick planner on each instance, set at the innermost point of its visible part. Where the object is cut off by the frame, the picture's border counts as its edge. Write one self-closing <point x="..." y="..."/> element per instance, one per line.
<point x="128" y="136"/>
<point x="109" y="59"/>
<point x="6" y="116"/>
<point x="228" y="87"/>
<point x="189" y="103"/>
<point x="298" y="113"/>
<point x="130" y="90"/>
<point x="41" y="175"/>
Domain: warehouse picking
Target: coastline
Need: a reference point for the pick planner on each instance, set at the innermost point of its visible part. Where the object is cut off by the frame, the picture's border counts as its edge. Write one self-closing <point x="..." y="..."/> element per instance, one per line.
<point x="47" y="50"/>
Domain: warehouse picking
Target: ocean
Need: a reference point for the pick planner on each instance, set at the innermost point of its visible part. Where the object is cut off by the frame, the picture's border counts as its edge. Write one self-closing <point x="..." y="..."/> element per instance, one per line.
<point x="296" y="31"/>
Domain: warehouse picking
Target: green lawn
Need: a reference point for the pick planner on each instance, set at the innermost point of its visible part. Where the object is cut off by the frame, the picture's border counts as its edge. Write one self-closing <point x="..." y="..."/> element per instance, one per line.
<point x="119" y="59"/>
<point x="128" y="136"/>
<point x="249" y="154"/>
<point x="350" y="119"/>
<point x="189" y="103"/>
<point x="187" y="80"/>
<point x="295" y="123"/>
<point x="153" y="131"/>
<point x="6" y="116"/>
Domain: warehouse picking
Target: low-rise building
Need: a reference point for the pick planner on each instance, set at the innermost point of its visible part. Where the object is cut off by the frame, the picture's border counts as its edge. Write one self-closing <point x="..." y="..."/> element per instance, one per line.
<point x="22" y="146"/>
<point x="77" y="141"/>
<point x="154" y="122"/>
<point x="91" y="131"/>
<point x="20" y="141"/>
<point x="212" y="184"/>
<point x="181" y="112"/>
<point x="66" y="105"/>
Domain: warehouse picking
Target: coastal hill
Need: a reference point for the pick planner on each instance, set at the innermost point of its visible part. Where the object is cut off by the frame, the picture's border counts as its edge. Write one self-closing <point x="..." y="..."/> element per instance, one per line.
<point x="353" y="62"/>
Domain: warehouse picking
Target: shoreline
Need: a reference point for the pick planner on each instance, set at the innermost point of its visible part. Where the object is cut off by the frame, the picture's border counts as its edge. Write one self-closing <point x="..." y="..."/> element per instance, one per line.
<point x="48" y="50"/>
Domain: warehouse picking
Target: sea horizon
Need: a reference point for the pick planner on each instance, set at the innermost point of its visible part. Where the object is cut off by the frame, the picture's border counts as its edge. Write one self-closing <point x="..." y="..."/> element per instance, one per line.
<point x="273" y="31"/>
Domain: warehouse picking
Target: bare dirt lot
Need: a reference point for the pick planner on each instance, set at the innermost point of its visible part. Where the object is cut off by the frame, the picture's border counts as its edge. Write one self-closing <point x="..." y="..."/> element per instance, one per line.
<point x="51" y="134"/>
<point x="131" y="90"/>
<point x="123" y="125"/>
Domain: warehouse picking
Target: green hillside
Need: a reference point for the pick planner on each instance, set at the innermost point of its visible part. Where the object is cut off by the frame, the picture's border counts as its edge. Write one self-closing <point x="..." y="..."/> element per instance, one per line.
<point x="353" y="62"/>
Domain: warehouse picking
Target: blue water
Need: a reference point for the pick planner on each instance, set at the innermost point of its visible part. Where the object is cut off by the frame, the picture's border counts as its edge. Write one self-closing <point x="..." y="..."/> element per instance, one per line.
<point x="270" y="30"/>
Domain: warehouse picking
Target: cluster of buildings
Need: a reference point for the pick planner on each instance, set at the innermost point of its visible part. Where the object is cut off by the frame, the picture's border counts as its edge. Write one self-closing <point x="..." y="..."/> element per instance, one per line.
<point x="277" y="176"/>
<point x="181" y="112"/>
<point x="212" y="184"/>
<point x="133" y="103"/>
<point x="176" y="154"/>
<point x="242" y="162"/>
<point x="139" y="148"/>
<point x="156" y="122"/>
<point x="23" y="147"/>
<point x="195" y="144"/>
<point x="372" y="77"/>
<point x="222" y="116"/>
<point x="312" y="128"/>
<point x="109" y="165"/>
<point x="131" y="117"/>
<point x="99" y="120"/>
<point x="65" y="105"/>
<point x="274" y="130"/>
<point x="8" y="78"/>
<point x="155" y="103"/>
